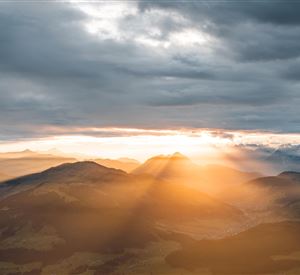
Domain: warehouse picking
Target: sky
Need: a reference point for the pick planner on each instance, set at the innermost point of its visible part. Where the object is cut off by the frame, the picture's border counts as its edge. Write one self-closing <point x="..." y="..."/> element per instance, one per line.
<point x="81" y="69"/>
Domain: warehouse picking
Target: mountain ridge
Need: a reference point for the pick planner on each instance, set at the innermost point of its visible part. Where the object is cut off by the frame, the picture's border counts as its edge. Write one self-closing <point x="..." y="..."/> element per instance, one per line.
<point x="88" y="169"/>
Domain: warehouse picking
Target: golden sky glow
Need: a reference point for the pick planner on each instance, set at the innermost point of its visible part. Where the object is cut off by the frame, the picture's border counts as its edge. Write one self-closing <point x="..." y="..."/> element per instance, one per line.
<point x="142" y="144"/>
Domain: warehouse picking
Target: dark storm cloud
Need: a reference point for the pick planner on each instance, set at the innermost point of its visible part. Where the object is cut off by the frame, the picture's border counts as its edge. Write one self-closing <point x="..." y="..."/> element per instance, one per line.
<point x="220" y="93"/>
<point x="254" y="30"/>
<point x="280" y="12"/>
<point x="292" y="72"/>
<point x="54" y="72"/>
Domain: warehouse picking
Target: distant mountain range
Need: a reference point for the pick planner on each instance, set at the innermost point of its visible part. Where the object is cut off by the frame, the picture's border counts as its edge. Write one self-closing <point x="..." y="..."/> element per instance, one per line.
<point x="264" y="159"/>
<point x="19" y="154"/>
<point x="284" y="159"/>
<point x="15" y="164"/>
<point x="280" y="193"/>
<point x="125" y="164"/>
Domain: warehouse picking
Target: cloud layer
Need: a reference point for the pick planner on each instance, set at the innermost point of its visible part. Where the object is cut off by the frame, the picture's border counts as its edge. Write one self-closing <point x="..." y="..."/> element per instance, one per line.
<point x="149" y="64"/>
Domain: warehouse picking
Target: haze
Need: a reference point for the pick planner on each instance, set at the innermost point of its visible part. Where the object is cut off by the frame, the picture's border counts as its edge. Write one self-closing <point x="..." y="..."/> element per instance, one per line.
<point x="150" y="137"/>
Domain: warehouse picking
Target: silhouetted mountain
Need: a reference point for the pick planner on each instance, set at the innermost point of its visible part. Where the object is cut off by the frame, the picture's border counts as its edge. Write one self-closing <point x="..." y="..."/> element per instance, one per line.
<point x="272" y="182"/>
<point x="78" y="172"/>
<point x="293" y="176"/>
<point x="84" y="171"/>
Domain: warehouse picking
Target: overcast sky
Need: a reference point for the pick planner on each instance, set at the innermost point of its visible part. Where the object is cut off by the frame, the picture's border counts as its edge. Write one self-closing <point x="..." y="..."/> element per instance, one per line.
<point x="150" y="64"/>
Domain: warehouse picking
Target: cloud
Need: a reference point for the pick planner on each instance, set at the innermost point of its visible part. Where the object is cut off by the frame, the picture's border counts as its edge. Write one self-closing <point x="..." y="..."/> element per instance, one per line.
<point x="256" y="30"/>
<point x="221" y="93"/>
<point x="274" y="12"/>
<point x="148" y="64"/>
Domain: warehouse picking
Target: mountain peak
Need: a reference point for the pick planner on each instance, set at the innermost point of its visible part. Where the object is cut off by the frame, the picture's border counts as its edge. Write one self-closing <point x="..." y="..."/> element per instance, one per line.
<point x="163" y="165"/>
<point x="82" y="167"/>
<point x="82" y="171"/>
<point x="174" y="156"/>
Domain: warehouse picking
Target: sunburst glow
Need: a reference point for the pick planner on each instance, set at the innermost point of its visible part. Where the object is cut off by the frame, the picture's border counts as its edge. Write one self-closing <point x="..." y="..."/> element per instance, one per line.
<point x="143" y="143"/>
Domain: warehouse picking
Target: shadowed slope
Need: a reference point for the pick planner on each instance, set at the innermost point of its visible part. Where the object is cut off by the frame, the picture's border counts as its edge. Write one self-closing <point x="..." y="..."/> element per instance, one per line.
<point x="294" y="176"/>
<point x="255" y="251"/>
<point x="278" y="194"/>
<point x="85" y="171"/>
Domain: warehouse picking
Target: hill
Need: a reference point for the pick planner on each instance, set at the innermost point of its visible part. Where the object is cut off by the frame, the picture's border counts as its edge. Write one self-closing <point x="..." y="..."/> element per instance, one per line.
<point x="151" y="194"/>
<point x="85" y="207"/>
<point x="264" y="249"/>
<point x="279" y="194"/>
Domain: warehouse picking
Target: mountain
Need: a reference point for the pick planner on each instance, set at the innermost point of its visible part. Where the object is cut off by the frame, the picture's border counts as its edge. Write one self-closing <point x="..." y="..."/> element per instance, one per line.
<point x="279" y="194"/>
<point x="264" y="159"/>
<point x="3" y="176"/>
<point x="290" y="175"/>
<point x="105" y="214"/>
<point x="213" y="179"/>
<point x="265" y="249"/>
<point x="81" y="172"/>
<point x="284" y="183"/>
<point x="124" y="164"/>
<point x="17" y="164"/>
<point x="154" y="194"/>
<point x="168" y="167"/>
<point x="285" y="158"/>
<point x="85" y="218"/>
<point x="262" y="198"/>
